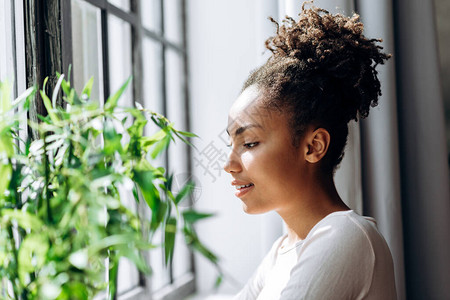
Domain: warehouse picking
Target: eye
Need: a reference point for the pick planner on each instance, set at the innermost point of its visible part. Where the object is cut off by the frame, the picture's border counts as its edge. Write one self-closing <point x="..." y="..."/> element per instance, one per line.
<point x="251" y="145"/>
<point x="229" y="145"/>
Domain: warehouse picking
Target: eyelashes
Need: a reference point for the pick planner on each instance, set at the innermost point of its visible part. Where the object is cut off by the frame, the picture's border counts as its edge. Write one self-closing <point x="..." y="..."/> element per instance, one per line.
<point x="251" y="145"/>
<point x="246" y="145"/>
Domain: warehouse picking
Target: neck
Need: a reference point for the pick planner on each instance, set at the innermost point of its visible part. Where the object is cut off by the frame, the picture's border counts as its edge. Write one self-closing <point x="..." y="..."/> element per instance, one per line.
<point x="319" y="201"/>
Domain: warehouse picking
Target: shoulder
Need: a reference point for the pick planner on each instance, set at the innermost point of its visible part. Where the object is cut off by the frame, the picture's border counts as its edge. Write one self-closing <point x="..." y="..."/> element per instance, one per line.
<point x="345" y="229"/>
<point x="339" y="257"/>
<point x="351" y="241"/>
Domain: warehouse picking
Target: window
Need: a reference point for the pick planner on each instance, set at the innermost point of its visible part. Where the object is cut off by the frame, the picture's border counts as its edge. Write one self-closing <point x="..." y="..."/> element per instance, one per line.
<point x="12" y="64"/>
<point x="113" y="40"/>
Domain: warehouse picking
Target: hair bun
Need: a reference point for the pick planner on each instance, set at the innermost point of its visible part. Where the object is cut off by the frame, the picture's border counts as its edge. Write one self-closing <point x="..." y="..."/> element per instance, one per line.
<point x="334" y="46"/>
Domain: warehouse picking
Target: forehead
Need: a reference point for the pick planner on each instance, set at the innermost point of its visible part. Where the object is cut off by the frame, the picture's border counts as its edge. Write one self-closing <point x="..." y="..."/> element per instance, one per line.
<point x="249" y="109"/>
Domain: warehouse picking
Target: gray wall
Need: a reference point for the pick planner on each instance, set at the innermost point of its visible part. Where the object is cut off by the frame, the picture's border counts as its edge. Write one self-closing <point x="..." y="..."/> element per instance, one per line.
<point x="442" y="10"/>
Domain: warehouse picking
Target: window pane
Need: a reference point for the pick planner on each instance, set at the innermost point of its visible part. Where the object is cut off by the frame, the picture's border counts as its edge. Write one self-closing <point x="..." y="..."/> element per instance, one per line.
<point x="176" y="111"/>
<point x="160" y="276"/>
<point x="87" y="45"/>
<point x="120" y="64"/>
<point x="172" y="20"/>
<point x="151" y="15"/>
<point x="153" y="86"/>
<point x="128" y="277"/>
<point x="181" y="258"/>
<point x="119" y="47"/>
<point x="152" y="81"/>
<point x="123" y="4"/>
<point x="6" y="43"/>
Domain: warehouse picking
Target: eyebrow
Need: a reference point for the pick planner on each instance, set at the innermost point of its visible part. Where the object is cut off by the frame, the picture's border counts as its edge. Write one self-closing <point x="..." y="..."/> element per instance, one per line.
<point x="241" y="129"/>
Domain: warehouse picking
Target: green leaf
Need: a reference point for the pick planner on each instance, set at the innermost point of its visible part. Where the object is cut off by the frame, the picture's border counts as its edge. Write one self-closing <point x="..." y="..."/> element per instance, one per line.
<point x="112" y="101"/>
<point x="6" y="143"/>
<point x="24" y="219"/>
<point x="185" y="190"/>
<point x="113" y="271"/>
<point x="88" y="87"/>
<point x="161" y="146"/>
<point x="188" y="134"/>
<point x="45" y="84"/>
<point x="192" y="216"/>
<point x="193" y="241"/>
<point x="48" y="106"/>
<point x="112" y="241"/>
<point x="130" y="252"/>
<point x="25" y="95"/>
<point x="68" y="72"/>
<point x="5" y="100"/>
<point x="32" y="255"/>
<point x="36" y="147"/>
<point x="158" y="216"/>
<point x="66" y="89"/>
<point x="147" y="141"/>
<point x="218" y="281"/>
<point x="135" y="194"/>
<point x="56" y="90"/>
<point x="112" y="139"/>
<point x="169" y="239"/>
<point x="5" y="174"/>
<point x="145" y="181"/>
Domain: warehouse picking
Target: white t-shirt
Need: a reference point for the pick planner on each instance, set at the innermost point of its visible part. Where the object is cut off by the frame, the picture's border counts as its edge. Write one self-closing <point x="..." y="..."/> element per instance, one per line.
<point x="343" y="257"/>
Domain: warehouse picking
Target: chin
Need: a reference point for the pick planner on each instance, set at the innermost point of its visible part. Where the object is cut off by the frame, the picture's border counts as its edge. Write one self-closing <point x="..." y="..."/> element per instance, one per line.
<point x="253" y="210"/>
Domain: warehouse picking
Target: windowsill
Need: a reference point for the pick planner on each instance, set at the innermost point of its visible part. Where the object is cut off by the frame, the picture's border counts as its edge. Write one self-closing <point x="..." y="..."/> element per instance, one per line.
<point x="210" y="297"/>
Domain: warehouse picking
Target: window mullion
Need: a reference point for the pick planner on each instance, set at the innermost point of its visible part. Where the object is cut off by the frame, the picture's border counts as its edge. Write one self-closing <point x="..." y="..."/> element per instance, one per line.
<point x="136" y="40"/>
<point x="44" y="49"/>
<point x="105" y="54"/>
<point x="34" y="57"/>
<point x="66" y="37"/>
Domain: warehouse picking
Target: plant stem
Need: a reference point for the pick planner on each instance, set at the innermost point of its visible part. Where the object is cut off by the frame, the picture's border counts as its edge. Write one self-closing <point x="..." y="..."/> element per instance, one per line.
<point x="112" y="285"/>
<point x="16" y="260"/>
<point x="47" y="181"/>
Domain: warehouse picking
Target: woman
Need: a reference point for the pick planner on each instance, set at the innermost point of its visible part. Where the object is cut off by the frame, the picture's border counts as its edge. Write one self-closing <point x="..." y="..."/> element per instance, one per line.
<point x="288" y="130"/>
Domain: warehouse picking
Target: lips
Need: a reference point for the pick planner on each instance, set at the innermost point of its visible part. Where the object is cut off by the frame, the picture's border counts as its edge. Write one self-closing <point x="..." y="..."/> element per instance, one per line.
<point x="239" y="187"/>
<point x="242" y="188"/>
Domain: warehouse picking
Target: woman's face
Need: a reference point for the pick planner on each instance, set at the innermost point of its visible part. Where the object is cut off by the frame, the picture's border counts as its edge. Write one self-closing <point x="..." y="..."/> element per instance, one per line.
<point x="265" y="166"/>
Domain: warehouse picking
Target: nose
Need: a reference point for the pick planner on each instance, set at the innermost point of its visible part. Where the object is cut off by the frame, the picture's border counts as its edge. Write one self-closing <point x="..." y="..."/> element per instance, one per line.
<point x="232" y="165"/>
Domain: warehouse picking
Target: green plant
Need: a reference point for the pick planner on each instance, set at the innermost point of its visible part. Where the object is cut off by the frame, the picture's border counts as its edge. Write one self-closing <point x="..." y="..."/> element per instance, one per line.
<point x="63" y="222"/>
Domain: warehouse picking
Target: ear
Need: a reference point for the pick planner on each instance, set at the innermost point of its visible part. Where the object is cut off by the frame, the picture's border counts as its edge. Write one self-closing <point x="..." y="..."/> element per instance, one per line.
<point x="318" y="142"/>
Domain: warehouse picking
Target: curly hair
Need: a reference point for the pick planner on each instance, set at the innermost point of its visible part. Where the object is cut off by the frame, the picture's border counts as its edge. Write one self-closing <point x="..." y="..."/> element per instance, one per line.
<point x="321" y="72"/>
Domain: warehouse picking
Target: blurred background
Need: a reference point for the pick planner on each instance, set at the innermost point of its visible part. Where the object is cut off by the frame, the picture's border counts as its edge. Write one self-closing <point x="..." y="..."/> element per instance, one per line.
<point x="189" y="58"/>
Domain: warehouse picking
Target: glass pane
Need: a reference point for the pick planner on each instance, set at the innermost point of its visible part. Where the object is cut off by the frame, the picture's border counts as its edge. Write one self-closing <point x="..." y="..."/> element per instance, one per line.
<point x="152" y="85"/>
<point x="123" y="4"/>
<point x="160" y="276"/>
<point x="172" y="21"/>
<point x="87" y="45"/>
<point x="128" y="277"/>
<point x="6" y="43"/>
<point x="120" y="64"/>
<point x="151" y="15"/>
<point x="152" y="71"/>
<point x="120" y="69"/>
<point x="176" y="111"/>
<point x="181" y="258"/>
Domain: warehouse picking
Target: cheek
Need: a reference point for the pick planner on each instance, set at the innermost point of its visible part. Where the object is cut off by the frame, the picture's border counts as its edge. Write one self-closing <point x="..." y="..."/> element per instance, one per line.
<point x="264" y="163"/>
<point x="249" y="160"/>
